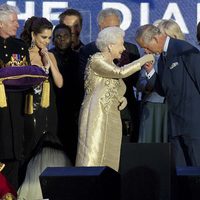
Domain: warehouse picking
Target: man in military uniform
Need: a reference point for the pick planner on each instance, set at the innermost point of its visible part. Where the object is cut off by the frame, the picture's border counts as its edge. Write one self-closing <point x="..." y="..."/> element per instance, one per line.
<point x="13" y="52"/>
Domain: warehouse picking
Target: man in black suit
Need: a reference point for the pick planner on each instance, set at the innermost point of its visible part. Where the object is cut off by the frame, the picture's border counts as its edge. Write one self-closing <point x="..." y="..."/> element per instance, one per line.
<point x="130" y="116"/>
<point x="178" y="79"/>
<point x="68" y="98"/>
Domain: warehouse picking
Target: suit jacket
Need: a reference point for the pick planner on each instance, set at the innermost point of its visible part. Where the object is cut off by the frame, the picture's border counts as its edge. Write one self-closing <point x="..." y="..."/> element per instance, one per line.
<point x="179" y="81"/>
<point x="130" y="54"/>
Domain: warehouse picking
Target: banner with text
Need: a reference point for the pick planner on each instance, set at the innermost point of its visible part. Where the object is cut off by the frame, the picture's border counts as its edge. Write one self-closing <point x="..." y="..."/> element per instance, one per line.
<point x="135" y="13"/>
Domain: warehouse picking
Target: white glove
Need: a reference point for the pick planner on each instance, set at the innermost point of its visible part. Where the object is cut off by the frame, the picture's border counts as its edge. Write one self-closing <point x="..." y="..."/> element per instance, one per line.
<point x="123" y="103"/>
<point x="149" y="58"/>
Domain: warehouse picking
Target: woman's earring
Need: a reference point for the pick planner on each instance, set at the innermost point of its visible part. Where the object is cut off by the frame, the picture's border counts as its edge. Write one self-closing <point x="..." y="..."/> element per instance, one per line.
<point x="32" y="44"/>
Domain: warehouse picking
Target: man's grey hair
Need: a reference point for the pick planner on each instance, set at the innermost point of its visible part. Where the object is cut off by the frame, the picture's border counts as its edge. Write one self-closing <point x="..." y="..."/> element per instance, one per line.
<point x="6" y="10"/>
<point x="108" y="36"/>
<point x="108" y="12"/>
<point x="146" y="33"/>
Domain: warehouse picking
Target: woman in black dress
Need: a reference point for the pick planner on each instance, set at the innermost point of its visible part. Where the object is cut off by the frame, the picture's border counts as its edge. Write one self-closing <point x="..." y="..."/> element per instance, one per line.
<point x="46" y="150"/>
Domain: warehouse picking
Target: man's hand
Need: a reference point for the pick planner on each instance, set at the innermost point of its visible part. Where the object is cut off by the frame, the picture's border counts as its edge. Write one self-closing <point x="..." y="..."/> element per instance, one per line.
<point x="148" y="67"/>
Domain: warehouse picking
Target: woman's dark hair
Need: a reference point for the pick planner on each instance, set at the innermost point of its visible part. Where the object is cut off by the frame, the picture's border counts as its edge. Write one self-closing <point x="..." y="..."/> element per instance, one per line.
<point x="35" y="25"/>
<point x="61" y="26"/>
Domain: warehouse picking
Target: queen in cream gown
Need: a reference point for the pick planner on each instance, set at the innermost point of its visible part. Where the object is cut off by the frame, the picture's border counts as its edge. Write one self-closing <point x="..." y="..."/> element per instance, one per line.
<point x="100" y="127"/>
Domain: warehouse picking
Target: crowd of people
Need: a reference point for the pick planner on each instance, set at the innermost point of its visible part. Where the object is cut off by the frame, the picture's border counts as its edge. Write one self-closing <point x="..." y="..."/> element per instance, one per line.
<point x="80" y="114"/>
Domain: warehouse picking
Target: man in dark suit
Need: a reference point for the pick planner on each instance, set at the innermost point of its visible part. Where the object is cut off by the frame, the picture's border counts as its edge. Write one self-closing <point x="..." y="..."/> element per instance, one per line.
<point x="130" y="116"/>
<point x="68" y="98"/>
<point x="178" y="79"/>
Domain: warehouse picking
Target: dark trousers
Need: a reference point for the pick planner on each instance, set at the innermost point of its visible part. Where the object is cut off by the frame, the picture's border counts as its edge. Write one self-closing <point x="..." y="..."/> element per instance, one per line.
<point x="186" y="150"/>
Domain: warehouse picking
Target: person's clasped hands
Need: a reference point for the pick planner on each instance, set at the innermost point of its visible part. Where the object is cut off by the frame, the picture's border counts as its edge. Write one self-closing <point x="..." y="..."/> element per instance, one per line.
<point x="45" y="58"/>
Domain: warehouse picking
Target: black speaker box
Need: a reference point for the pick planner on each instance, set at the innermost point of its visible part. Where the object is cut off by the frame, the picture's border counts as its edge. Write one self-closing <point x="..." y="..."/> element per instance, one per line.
<point x="147" y="171"/>
<point x="80" y="183"/>
<point x="188" y="183"/>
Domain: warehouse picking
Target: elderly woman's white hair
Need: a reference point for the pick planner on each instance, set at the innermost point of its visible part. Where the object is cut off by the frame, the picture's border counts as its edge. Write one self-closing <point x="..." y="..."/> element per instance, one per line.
<point x="108" y="36"/>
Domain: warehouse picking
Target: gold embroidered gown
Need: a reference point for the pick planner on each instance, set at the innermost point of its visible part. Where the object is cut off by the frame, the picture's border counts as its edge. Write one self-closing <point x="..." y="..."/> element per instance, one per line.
<point x="100" y="128"/>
